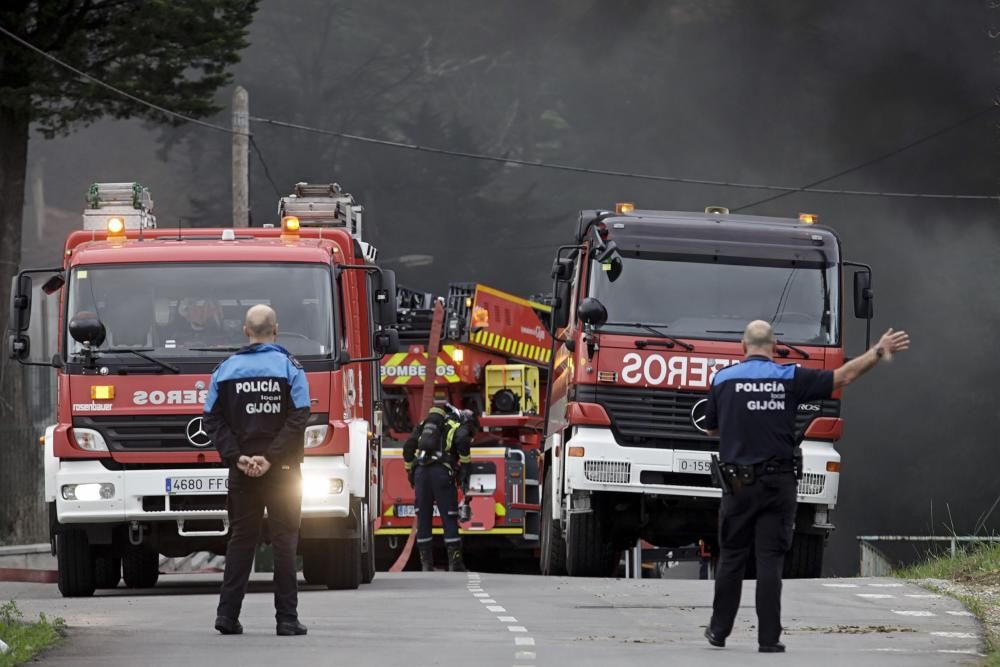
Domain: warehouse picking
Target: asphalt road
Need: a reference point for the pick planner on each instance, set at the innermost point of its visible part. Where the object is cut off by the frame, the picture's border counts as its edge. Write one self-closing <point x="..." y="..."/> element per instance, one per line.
<point x="413" y="619"/>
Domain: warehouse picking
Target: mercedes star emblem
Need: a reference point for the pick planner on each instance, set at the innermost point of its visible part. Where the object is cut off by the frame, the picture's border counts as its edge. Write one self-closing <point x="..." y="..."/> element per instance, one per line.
<point x="196" y="434"/>
<point x="698" y="415"/>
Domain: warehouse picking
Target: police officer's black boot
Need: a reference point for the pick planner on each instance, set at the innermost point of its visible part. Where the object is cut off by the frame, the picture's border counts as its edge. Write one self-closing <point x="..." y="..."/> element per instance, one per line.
<point x="426" y="552"/>
<point x="455" y="563"/>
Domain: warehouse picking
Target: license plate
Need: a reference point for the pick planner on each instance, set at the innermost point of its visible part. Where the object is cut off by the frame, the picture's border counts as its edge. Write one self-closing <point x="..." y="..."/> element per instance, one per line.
<point x="407" y="511"/>
<point x="196" y="485"/>
<point x="693" y="465"/>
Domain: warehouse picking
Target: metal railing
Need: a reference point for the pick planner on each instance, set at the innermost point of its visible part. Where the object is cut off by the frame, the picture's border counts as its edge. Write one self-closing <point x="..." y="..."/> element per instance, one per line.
<point x="874" y="562"/>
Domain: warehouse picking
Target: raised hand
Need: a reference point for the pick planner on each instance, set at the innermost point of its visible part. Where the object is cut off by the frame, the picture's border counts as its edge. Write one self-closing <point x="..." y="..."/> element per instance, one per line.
<point x="892" y="342"/>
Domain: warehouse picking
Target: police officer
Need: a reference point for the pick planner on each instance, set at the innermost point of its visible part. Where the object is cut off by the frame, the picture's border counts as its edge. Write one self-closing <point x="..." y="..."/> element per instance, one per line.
<point x="256" y="413"/>
<point x="435" y="456"/>
<point x="752" y="407"/>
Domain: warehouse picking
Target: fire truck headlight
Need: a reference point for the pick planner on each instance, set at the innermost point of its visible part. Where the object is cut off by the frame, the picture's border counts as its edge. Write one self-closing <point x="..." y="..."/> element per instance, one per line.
<point x="90" y="440"/>
<point x="315" y="435"/>
<point x="320" y="487"/>
<point x="88" y="492"/>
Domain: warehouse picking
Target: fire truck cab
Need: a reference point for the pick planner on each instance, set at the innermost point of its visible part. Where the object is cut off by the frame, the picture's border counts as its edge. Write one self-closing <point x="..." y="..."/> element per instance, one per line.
<point x="146" y="314"/>
<point x="649" y="306"/>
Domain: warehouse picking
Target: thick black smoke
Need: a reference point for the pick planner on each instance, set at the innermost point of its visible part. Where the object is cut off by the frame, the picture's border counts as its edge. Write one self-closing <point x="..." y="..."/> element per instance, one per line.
<point x="774" y="92"/>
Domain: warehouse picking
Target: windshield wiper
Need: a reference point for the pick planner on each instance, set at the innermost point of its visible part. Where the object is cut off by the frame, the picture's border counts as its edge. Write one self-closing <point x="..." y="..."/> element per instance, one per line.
<point x="782" y="353"/>
<point x="221" y="348"/>
<point x="652" y="328"/>
<point x="138" y="351"/>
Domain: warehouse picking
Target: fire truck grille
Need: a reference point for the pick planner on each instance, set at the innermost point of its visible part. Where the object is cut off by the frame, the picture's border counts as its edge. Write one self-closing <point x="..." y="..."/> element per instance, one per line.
<point x="608" y="472"/>
<point x="661" y="418"/>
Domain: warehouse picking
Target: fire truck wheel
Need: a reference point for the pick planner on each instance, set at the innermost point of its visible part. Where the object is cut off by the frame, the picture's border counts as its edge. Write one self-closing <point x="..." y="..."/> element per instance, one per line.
<point x="589" y="552"/>
<point x="345" y="564"/>
<point x="140" y="567"/>
<point x="368" y="559"/>
<point x="805" y="560"/>
<point x="553" y="547"/>
<point x="107" y="569"/>
<point x="76" y="564"/>
<point x="316" y="561"/>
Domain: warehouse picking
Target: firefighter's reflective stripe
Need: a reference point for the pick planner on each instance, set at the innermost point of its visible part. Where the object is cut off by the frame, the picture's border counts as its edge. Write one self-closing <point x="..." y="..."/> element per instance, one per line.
<point x="515" y="348"/>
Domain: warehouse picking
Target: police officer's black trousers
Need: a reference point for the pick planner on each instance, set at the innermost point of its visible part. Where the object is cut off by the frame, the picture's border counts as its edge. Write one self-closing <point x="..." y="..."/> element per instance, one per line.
<point x="761" y="515"/>
<point x="434" y="483"/>
<point x="280" y="491"/>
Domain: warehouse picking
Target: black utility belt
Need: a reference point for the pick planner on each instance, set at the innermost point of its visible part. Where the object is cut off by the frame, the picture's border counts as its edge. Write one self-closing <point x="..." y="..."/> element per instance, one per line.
<point x="748" y="473"/>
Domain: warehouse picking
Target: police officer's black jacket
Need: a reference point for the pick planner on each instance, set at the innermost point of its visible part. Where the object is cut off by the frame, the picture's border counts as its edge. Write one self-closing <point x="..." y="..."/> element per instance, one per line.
<point x="456" y="441"/>
<point x="754" y="403"/>
<point x="258" y="404"/>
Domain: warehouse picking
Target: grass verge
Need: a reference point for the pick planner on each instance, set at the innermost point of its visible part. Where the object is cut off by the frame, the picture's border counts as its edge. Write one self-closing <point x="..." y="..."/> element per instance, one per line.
<point x="973" y="578"/>
<point x="26" y="638"/>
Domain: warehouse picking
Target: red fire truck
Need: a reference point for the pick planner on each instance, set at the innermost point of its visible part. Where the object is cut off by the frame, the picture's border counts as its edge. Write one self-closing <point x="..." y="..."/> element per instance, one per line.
<point x="650" y="305"/>
<point x="493" y="348"/>
<point x="129" y="471"/>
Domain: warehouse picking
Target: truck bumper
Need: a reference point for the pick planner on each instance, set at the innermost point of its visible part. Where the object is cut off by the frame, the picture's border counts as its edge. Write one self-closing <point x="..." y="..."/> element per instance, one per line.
<point x="140" y="495"/>
<point x="607" y="466"/>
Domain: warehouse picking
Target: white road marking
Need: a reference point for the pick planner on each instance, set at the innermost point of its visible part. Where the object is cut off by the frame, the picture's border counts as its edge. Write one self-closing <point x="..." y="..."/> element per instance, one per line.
<point x="955" y="635"/>
<point x="496" y="608"/>
<point x="962" y="651"/>
<point x="524" y="655"/>
<point x="960" y="613"/>
<point x="481" y="595"/>
<point x="506" y="619"/>
<point x="524" y="641"/>
<point x="841" y="585"/>
<point x="886" y="585"/>
<point x="517" y="628"/>
<point x="913" y="612"/>
<point x="875" y="596"/>
<point x="923" y="596"/>
<point x="488" y="601"/>
<point x="891" y="650"/>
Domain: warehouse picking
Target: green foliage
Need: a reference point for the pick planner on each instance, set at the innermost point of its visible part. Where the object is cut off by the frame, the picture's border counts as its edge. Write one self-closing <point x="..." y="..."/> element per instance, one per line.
<point x="26" y="639"/>
<point x="174" y="53"/>
<point x="974" y="563"/>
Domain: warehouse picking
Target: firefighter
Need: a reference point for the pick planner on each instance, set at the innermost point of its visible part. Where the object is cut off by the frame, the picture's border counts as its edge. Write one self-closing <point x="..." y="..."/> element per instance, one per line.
<point x="255" y="414"/>
<point x="436" y="457"/>
<point x="751" y="408"/>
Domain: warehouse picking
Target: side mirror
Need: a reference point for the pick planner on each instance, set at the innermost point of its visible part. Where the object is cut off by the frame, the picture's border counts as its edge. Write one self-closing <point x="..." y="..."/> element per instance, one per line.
<point x="864" y="298"/>
<point x="385" y="298"/>
<point x="562" y="269"/>
<point x="86" y="329"/>
<point x="560" y="305"/>
<point x="386" y="341"/>
<point x="54" y="284"/>
<point x="20" y="303"/>
<point x="604" y="253"/>
<point x="592" y="312"/>
<point x="614" y="268"/>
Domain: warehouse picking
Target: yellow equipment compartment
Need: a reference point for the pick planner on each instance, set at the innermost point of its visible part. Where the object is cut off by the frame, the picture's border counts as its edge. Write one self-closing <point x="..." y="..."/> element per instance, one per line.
<point x="512" y="389"/>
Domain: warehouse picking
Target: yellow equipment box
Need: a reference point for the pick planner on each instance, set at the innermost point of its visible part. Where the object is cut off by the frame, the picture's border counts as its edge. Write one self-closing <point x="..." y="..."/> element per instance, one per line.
<point x="512" y="389"/>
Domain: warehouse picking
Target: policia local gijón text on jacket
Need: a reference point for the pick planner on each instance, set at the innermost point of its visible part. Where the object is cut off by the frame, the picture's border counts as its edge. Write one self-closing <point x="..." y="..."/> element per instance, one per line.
<point x="751" y="407"/>
<point x="255" y="413"/>
<point x="435" y="455"/>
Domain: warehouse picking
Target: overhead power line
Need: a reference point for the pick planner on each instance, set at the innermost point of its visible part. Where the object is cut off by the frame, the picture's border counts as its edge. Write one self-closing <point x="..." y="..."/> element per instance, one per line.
<point x="782" y="189"/>
<point x="108" y="86"/>
<point x="785" y="189"/>
<point x="263" y="163"/>
<point x="878" y="158"/>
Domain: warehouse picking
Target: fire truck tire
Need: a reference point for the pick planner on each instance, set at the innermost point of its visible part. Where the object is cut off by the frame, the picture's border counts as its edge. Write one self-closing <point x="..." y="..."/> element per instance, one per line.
<point x="589" y="552"/>
<point x="553" y="546"/>
<point x="345" y="564"/>
<point x="140" y="567"/>
<point x="107" y="569"/>
<point x="75" y="560"/>
<point x="805" y="559"/>
<point x="316" y="561"/>
<point x="368" y="559"/>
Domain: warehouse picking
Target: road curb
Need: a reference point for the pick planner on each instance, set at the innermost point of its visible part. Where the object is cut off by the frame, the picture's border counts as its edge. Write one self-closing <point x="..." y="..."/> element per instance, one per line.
<point x="25" y="575"/>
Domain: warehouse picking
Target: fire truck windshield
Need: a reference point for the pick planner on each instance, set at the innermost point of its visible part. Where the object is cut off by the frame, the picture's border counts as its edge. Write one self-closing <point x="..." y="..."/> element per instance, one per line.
<point x="716" y="301"/>
<point x="196" y="310"/>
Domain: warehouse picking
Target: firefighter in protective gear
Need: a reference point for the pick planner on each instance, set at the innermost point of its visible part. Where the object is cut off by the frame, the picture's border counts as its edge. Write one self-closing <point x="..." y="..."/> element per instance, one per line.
<point x="436" y="456"/>
<point x="256" y="413"/>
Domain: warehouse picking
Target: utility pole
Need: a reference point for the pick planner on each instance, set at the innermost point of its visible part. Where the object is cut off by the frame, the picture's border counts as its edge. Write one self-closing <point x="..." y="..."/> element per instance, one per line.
<point x="241" y="157"/>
